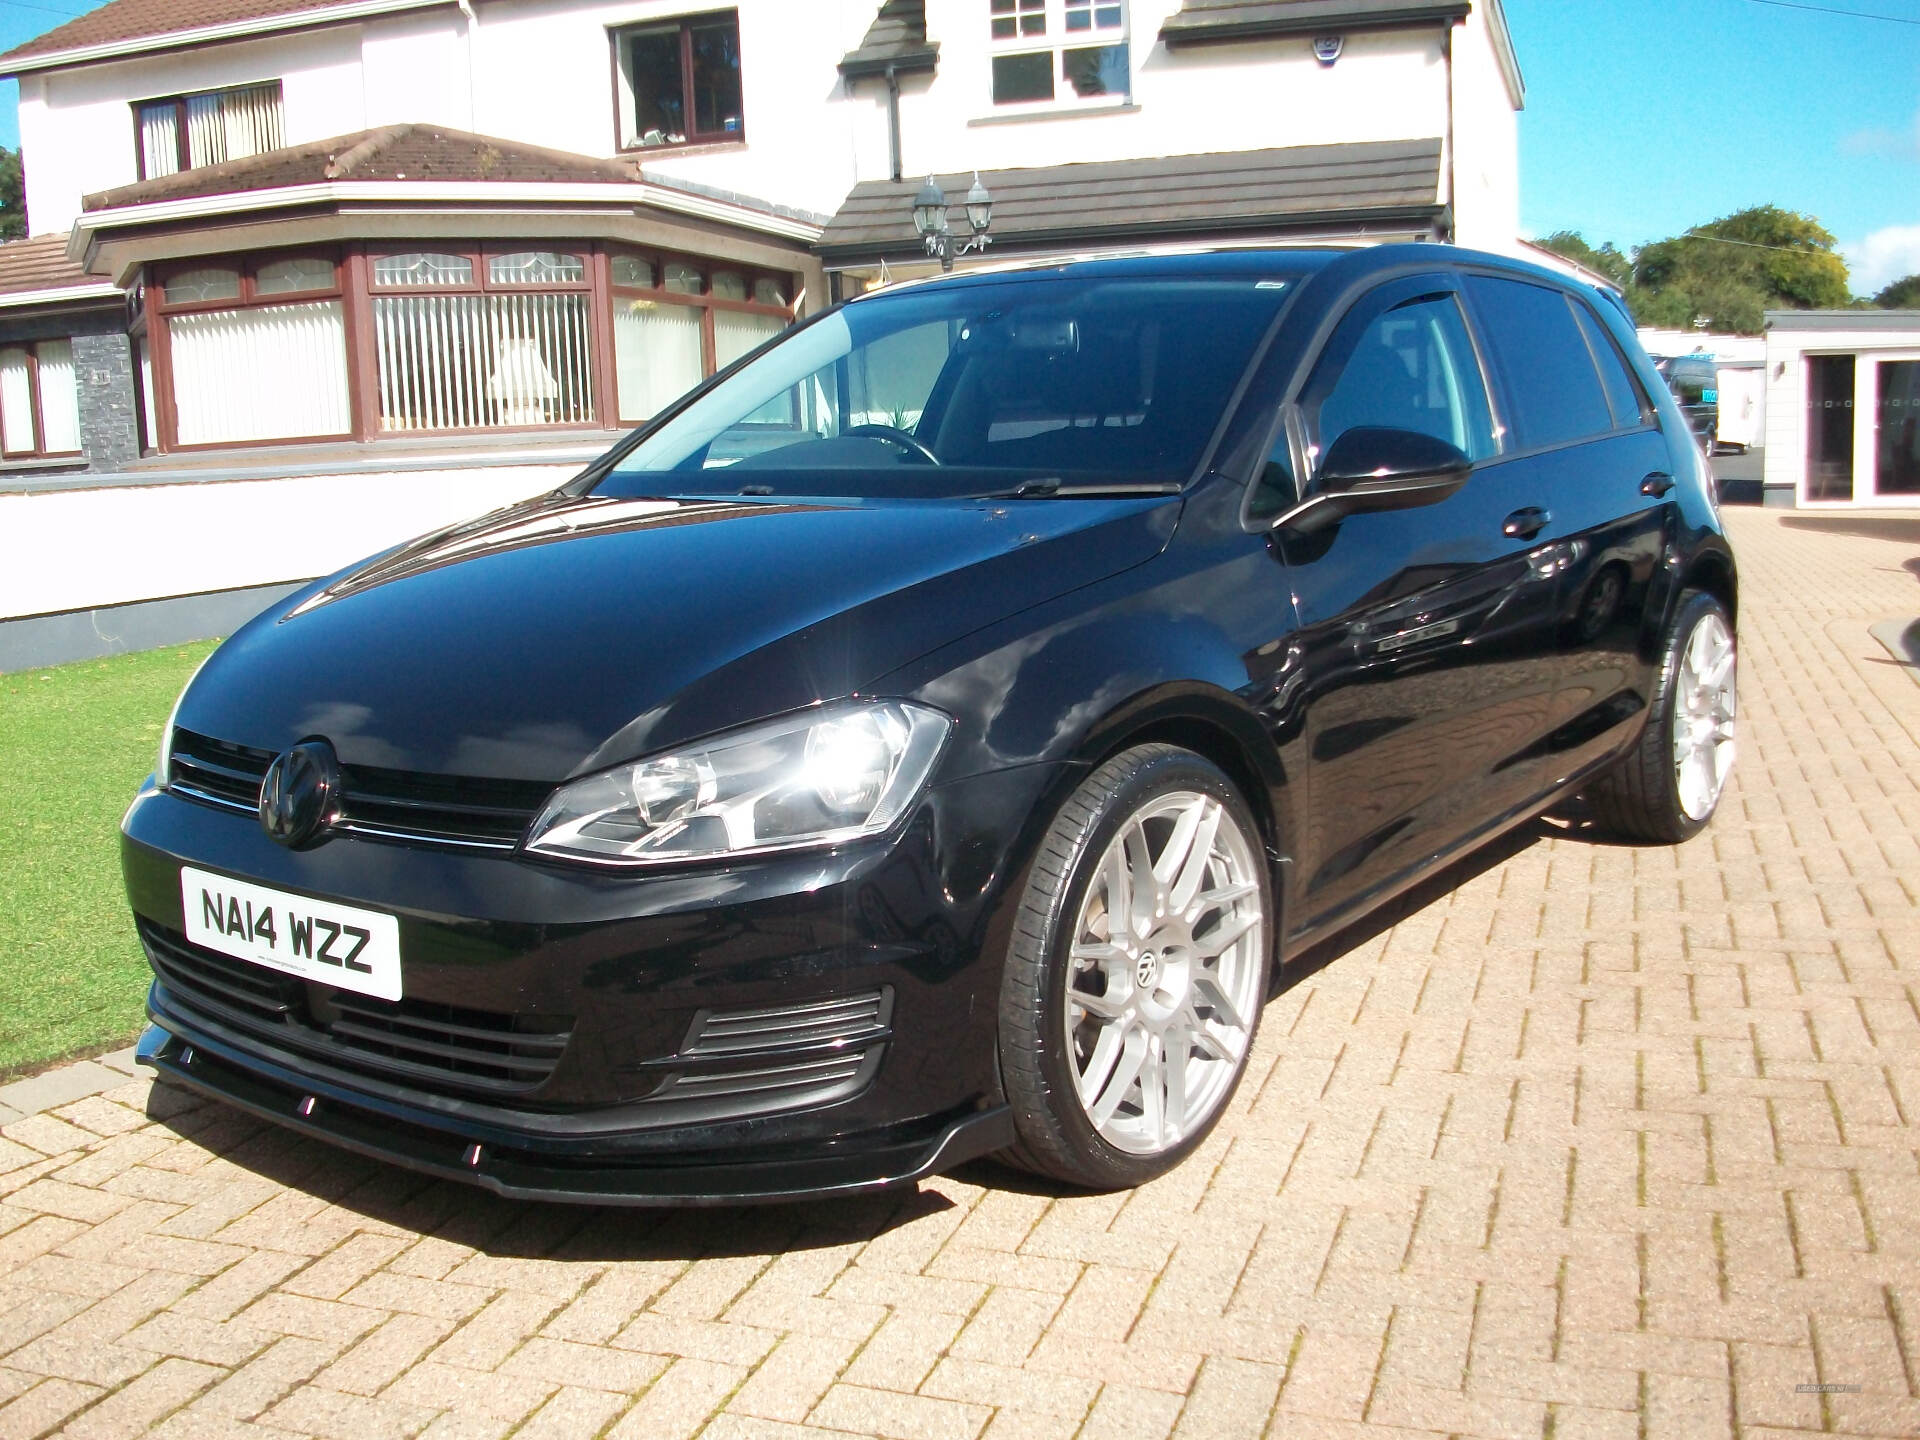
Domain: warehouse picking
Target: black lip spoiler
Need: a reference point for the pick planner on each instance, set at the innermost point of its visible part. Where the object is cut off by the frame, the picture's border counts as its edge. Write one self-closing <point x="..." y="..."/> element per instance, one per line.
<point x="517" y="1175"/>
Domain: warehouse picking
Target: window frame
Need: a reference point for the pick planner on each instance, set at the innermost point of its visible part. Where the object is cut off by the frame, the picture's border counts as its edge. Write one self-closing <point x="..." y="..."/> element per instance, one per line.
<point x="706" y="302"/>
<point x="1054" y="41"/>
<point x="247" y="266"/>
<point x="34" y="400"/>
<point x="477" y="254"/>
<point x="182" y="140"/>
<point x="627" y="101"/>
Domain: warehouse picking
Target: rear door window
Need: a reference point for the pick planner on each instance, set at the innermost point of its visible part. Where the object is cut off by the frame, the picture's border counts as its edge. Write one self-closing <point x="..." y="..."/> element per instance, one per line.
<point x="1551" y="383"/>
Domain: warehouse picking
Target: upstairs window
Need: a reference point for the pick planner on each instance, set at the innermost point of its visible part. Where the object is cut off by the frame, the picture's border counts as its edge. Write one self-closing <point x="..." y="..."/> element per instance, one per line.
<point x="1048" y="52"/>
<point x="678" y="82"/>
<point x="181" y="132"/>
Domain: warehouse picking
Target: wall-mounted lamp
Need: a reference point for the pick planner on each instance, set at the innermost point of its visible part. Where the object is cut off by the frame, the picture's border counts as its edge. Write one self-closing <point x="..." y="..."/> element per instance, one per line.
<point x="930" y="219"/>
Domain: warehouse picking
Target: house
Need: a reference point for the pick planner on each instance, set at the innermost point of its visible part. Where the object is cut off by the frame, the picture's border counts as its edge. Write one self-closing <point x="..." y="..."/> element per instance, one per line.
<point x="445" y="250"/>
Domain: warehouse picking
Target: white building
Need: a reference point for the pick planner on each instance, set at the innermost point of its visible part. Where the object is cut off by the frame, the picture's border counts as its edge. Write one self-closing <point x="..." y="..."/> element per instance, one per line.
<point x="442" y="251"/>
<point x="1843" y="406"/>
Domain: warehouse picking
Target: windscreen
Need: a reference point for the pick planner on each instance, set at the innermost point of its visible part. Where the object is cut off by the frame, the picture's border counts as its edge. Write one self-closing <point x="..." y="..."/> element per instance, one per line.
<point x="972" y="389"/>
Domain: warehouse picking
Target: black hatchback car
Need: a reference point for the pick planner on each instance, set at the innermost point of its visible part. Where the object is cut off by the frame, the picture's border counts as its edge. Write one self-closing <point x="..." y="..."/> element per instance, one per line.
<point x="931" y="737"/>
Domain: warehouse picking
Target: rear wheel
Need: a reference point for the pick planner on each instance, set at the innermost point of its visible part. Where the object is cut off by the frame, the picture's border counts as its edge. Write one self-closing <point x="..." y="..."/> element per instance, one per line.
<point x="1137" y="972"/>
<point x="1668" y="786"/>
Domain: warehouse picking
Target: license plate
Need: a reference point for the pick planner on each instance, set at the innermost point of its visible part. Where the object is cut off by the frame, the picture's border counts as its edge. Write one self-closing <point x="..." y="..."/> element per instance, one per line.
<point x="1709" y="397"/>
<point x="338" y="945"/>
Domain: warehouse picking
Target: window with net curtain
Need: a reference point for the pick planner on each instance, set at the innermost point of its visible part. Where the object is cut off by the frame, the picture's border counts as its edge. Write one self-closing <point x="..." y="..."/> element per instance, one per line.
<point x="659" y="351"/>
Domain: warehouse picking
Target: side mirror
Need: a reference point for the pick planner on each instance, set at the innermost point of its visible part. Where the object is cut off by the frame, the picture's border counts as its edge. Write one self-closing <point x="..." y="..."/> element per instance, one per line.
<point x="1373" y="468"/>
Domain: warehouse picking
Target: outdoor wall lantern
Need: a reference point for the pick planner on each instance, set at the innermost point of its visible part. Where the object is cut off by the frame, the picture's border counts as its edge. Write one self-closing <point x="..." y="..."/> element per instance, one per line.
<point x="930" y="219"/>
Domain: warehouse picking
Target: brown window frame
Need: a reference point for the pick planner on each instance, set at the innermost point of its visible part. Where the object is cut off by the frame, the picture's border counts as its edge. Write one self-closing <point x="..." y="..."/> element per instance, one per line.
<point x="477" y="254"/>
<point x="182" y="141"/>
<point x="248" y="265"/>
<point x="617" y="34"/>
<point x="39" y="450"/>
<point x="705" y="301"/>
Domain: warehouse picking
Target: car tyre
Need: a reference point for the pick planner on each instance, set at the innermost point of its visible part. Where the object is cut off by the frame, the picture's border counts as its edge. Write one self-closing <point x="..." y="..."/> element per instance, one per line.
<point x="1121" y="1045"/>
<point x="1667" y="787"/>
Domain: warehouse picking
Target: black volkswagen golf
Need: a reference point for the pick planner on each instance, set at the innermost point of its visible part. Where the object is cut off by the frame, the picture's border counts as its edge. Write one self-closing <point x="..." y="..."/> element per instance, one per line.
<point x="931" y="737"/>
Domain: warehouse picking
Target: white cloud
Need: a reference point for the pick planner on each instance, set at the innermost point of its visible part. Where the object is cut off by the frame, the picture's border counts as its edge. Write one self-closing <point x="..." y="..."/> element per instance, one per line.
<point x="1882" y="258"/>
<point x="1887" y="144"/>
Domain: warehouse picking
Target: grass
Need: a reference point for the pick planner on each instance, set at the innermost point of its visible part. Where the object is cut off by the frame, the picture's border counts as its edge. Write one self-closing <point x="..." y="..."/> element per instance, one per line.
<point x="75" y="741"/>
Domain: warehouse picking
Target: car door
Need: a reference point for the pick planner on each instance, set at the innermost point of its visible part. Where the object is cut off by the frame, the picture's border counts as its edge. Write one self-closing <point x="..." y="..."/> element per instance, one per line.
<point x="1587" y="439"/>
<point x="1425" y="633"/>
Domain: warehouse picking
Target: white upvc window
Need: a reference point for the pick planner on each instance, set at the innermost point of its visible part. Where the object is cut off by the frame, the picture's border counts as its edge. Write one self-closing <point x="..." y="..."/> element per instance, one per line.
<point x="1050" y="53"/>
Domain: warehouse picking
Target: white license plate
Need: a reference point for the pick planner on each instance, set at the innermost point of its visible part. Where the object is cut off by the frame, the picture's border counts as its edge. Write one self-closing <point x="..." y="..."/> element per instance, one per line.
<point x="338" y="945"/>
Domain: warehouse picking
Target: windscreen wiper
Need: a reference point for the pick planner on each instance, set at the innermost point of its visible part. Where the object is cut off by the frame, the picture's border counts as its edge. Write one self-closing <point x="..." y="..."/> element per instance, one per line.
<point x="1052" y="488"/>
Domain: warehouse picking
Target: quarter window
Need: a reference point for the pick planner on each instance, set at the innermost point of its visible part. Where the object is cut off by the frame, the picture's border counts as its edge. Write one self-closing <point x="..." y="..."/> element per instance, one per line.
<point x="1550" y="377"/>
<point x="1624" y="396"/>
<point x="1053" y="51"/>
<point x="181" y="132"/>
<point x="678" y="81"/>
<point x="1411" y="368"/>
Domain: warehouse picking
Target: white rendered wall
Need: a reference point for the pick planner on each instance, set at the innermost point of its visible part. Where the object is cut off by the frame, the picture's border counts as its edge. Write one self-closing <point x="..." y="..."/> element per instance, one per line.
<point x="77" y="129"/>
<point x="1486" y="143"/>
<point x="79" y="549"/>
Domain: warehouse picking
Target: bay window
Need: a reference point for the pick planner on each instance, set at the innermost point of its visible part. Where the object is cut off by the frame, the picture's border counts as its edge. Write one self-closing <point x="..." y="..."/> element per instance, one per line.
<point x="1048" y="52"/>
<point x="181" y="132"/>
<point x="256" y="351"/>
<point x="443" y="337"/>
<point x="677" y="82"/>
<point x="39" y="402"/>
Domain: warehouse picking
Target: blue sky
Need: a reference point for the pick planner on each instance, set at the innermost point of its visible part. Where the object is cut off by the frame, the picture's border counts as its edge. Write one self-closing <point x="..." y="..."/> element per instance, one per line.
<point x="1646" y="116"/>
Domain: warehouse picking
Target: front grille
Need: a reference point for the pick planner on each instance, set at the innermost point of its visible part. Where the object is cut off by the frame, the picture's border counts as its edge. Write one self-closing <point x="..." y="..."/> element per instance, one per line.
<point x="445" y="1049"/>
<point x="377" y="804"/>
<point x="843" y="1022"/>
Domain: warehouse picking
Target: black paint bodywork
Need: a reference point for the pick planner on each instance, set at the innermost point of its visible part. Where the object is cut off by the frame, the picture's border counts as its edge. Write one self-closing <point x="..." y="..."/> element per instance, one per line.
<point x="1389" y="690"/>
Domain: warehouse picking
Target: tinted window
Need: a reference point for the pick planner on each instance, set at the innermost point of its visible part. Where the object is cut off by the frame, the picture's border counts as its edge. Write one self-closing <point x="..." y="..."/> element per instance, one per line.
<point x="1410" y="368"/>
<point x="1551" y="382"/>
<point x="1629" y="405"/>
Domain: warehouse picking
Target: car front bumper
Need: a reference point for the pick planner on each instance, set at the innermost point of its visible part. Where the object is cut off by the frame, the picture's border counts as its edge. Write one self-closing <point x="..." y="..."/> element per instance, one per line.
<point x="629" y="980"/>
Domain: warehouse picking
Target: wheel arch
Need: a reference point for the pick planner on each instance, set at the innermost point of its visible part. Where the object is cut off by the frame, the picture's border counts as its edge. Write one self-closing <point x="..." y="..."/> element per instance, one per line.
<point x="1711" y="570"/>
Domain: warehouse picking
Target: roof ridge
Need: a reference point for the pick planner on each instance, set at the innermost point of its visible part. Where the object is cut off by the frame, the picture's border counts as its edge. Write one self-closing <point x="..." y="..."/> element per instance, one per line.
<point x="366" y="145"/>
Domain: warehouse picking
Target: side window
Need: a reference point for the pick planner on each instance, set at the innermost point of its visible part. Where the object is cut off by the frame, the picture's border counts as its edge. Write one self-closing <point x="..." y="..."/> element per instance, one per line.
<point x="1410" y="368"/>
<point x="1624" y="395"/>
<point x="1549" y="371"/>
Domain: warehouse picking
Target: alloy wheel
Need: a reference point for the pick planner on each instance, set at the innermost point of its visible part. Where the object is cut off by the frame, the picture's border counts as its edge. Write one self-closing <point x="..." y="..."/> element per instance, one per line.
<point x="1166" y="969"/>
<point x="1703" y="714"/>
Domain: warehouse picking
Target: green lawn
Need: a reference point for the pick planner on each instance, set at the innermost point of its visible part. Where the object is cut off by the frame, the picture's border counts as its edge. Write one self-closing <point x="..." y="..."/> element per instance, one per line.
<point x="74" y="742"/>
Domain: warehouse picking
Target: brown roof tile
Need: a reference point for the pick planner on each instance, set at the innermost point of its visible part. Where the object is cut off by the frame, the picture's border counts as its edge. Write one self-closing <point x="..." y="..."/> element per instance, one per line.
<point x="39" y="264"/>
<point x="121" y="20"/>
<point x="393" y="152"/>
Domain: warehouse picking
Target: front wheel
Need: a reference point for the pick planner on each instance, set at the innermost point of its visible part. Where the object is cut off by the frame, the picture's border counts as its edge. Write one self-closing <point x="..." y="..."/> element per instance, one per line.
<point x="1137" y="972"/>
<point x="1667" y="787"/>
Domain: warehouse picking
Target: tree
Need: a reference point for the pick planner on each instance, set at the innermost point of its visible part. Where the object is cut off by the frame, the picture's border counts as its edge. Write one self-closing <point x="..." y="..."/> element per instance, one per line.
<point x="1900" y="295"/>
<point x="1734" y="270"/>
<point x="13" y="199"/>
<point x="1607" y="261"/>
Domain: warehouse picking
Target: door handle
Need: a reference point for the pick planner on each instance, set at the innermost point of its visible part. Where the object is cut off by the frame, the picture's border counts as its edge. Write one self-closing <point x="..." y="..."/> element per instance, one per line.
<point x="1527" y="523"/>
<point x="1656" y="484"/>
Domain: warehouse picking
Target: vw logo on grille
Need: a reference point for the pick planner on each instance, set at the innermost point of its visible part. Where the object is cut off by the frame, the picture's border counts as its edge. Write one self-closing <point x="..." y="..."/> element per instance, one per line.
<point x="298" y="792"/>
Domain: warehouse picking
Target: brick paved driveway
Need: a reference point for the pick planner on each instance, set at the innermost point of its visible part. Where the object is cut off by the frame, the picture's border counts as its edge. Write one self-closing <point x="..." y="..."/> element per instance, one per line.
<point x="1604" y="1142"/>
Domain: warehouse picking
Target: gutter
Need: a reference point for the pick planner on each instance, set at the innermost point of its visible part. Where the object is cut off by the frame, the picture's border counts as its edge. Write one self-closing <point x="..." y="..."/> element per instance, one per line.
<point x="344" y="192"/>
<point x="313" y="19"/>
<point x="103" y="290"/>
<point x="1176" y="36"/>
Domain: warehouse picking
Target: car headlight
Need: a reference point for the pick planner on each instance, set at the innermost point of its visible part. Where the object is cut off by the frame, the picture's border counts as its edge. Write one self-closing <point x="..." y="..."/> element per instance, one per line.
<point x="163" y="764"/>
<point x="820" y="777"/>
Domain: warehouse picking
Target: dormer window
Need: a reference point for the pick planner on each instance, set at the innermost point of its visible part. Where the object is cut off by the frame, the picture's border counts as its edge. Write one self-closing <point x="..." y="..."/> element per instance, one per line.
<point x="1053" y="52"/>
<point x="183" y="132"/>
<point x="677" y="82"/>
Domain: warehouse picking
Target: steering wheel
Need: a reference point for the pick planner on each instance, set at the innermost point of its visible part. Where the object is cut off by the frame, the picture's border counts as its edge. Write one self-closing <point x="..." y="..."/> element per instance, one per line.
<point x="894" y="436"/>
